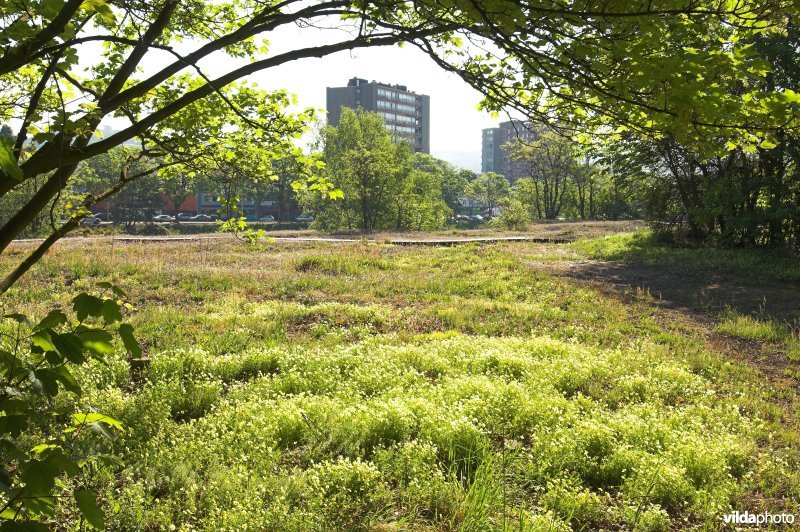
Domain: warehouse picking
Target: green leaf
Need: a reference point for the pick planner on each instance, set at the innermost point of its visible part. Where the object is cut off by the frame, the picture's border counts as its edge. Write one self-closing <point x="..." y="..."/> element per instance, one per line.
<point x="42" y="340"/>
<point x="41" y="506"/>
<point x="101" y="430"/>
<point x="53" y="319"/>
<point x="97" y="340"/>
<point x="94" y="417"/>
<point x="111" y="311"/>
<point x="8" y="162"/>
<point x="767" y="144"/>
<point x="110" y="460"/>
<point x="114" y="288"/>
<point x="87" y="503"/>
<point x="13" y="424"/>
<point x="19" y="318"/>
<point x="13" y="406"/>
<point x="126" y="333"/>
<point x="39" y="477"/>
<point x="70" y="346"/>
<point x="67" y="379"/>
<point x="11" y="366"/>
<point x="63" y="463"/>
<point x="44" y="381"/>
<point x="53" y="358"/>
<point x="85" y="305"/>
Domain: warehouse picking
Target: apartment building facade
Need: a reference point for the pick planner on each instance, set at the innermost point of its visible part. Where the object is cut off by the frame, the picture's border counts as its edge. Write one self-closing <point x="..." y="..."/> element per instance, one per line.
<point x="407" y="114"/>
<point x="494" y="156"/>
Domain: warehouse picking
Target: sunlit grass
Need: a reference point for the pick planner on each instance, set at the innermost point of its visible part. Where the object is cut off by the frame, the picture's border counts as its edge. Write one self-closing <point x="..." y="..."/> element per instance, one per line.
<point x="357" y="386"/>
<point x="752" y="328"/>
<point x="644" y="248"/>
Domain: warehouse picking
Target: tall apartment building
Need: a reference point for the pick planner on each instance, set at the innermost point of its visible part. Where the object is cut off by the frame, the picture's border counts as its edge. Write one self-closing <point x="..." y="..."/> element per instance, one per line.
<point x="406" y="113"/>
<point x="494" y="158"/>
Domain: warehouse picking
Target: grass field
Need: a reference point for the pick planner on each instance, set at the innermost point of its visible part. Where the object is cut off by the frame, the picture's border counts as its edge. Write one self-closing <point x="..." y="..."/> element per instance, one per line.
<point x="370" y="386"/>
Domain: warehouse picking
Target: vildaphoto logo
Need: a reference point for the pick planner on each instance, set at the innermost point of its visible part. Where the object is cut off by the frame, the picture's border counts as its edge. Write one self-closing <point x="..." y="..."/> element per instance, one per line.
<point x="765" y="518"/>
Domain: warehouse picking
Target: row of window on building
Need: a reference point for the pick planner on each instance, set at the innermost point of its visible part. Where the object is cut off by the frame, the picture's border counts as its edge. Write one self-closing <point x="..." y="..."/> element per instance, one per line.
<point x="394" y="106"/>
<point x="403" y="119"/>
<point x="405" y="113"/>
<point x="399" y="96"/>
<point x="408" y="130"/>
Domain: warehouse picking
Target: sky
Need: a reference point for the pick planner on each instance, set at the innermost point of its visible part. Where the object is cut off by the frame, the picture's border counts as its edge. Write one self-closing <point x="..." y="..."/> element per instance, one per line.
<point x="456" y="122"/>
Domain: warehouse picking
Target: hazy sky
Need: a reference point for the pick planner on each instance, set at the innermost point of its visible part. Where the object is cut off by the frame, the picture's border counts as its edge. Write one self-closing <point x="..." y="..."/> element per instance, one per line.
<point x="456" y="122"/>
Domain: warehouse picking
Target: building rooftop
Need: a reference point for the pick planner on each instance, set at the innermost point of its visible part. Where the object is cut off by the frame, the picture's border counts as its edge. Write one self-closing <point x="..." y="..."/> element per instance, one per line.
<point x="355" y="82"/>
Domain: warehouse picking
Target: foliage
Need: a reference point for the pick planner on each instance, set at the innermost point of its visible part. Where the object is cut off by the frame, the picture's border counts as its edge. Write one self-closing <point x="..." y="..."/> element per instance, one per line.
<point x="514" y="216"/>
<point x="658" y="70"/>
<point x="490" y="189"/>
<point x="59" y="88"/>
<point x="722" y="192"/>
<point x="451" y="181"/>
<point x="379" y="184"/>
<point x="551" y="162"/>
<point x="47" y="455"/>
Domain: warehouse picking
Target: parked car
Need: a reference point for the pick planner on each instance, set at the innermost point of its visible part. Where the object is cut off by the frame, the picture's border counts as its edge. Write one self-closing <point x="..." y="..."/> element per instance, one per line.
<point x="267" y="218"/>
<point x="91" y="221"/>
<point x="104" y="216"/>
<point x="185" y="216"/>
<point x="461" y="218"/>
<point x="163" y="218"/>
<point x="477" y="218"/>
<point x="200" y="218"/>
<point x="304" y="218"/>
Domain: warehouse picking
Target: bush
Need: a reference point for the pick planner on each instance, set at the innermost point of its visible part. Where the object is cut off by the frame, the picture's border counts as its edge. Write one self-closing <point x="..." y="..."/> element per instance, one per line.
<point x="515" y="216"/>
<point x="148" y="229"/>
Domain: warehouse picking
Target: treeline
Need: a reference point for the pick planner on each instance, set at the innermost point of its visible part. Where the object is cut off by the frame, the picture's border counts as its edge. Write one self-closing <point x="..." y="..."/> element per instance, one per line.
<point x="736" y="196"/>
<point x="385" y="186"/>
<point x="155" y="185"/>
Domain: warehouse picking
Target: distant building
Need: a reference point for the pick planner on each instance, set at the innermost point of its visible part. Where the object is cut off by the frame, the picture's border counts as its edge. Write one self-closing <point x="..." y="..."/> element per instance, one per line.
<point x="406" y="113"/>
<point x="490" y="150"/>
<point x="494" y="158"/>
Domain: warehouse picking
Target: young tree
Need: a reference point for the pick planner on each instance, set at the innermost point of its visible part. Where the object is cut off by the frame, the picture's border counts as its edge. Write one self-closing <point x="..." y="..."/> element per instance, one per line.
<point x="452" y="183"/>
<point x="282" y="190"/>
<point x="551" y="164"/>
<point x="367" y="167"/>
<point x="490" y="189"/>
<point x="176" y="185"/>
<point x="420" y="203"/>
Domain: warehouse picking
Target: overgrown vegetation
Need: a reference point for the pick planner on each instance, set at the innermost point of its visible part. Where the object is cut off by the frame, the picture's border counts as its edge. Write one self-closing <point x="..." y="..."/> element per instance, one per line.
<point x="362" y="386"/>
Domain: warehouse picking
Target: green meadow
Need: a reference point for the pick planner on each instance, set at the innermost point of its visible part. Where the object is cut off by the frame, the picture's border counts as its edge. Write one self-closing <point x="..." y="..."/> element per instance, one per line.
<point x="318" y="386"/>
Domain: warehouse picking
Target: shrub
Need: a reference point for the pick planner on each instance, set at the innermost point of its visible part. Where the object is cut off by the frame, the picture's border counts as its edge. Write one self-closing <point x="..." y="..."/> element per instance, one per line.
<point x="515" y="216"/>
<point x="148" y="229"/>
